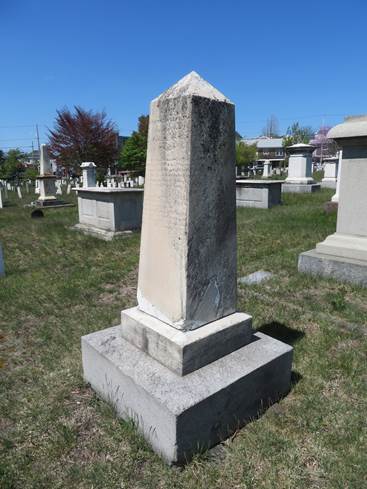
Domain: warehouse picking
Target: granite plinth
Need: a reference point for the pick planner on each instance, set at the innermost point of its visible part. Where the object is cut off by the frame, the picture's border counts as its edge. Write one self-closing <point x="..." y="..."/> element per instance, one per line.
<point x="52" y="203"/>
<point x="101" y="233"/>
<point x="260" y="194"/>
<point x="328" y="184"/>
<point x="184" y="352"/>
<point x="340" y="268"/>
<point x="300" y="188"/>
<point x="109" y="212"/>
<point x="181" y="415"/>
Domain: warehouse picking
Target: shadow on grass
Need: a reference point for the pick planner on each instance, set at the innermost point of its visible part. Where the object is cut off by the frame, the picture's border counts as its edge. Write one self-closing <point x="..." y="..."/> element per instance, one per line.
<point x="281" y="332"/>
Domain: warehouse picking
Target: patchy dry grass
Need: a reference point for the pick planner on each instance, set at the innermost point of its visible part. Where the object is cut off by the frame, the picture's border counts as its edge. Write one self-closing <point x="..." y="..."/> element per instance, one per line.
<point x="56" y="433"/>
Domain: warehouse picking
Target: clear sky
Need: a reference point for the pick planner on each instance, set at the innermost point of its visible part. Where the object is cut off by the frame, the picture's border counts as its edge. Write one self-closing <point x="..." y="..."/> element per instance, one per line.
<point x="299" y="60"/>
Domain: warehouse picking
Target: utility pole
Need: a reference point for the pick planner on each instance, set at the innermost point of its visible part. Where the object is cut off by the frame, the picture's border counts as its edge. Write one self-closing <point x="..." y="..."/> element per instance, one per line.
<point x="38" y="139"/>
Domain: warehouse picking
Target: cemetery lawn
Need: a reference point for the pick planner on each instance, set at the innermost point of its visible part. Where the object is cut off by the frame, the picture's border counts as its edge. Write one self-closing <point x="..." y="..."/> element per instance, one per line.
<point x="60" y="285"/>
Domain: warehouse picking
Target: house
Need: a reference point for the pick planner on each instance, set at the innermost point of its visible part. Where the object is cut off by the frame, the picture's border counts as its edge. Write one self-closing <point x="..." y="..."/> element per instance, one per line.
<point x="268" y="149"/>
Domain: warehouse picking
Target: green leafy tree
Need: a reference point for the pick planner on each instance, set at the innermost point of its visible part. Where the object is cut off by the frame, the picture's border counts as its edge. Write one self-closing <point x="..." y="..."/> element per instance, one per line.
<point x="134" y="152"/>
<point x="245" y="154"/>
<point x="2" y="158"/>
<point x="30" y="173"/>
<point x="297" y="134"/>
<point x="12" y="167"/>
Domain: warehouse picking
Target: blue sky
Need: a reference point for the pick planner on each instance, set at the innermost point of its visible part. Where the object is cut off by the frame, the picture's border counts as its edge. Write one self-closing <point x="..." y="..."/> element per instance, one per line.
<point x="299" y="60"/>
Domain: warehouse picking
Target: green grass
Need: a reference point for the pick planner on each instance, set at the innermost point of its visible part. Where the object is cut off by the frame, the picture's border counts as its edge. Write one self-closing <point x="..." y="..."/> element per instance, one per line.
<point x="59" y="285"/>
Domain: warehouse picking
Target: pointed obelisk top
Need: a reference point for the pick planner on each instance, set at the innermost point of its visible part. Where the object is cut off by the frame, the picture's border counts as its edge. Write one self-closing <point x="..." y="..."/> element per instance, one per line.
<point x="193" y="85"/>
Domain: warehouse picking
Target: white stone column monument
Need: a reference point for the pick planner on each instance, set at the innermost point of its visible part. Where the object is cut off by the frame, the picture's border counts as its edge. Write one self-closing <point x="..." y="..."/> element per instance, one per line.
<point x="46" y="180"/>
<point x="343" y="255"/>
<point x="267" y="169"/>
<point x="330" y="172"/>
<point x="89" y="174"/>
<point x="184" y="363"/>
<point x="300" y="179"/>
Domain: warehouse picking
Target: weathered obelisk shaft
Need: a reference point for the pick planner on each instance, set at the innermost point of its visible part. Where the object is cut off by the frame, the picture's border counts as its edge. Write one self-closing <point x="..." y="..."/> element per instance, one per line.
<point x="187" y="271"/>
<point x="45" y="164"/>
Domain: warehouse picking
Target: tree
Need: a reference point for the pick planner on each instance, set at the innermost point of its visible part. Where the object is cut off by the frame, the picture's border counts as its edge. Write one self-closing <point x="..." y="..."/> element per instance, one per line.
<point x="324" y="147"/>
<point x="2" y="157"/>
<point x="298" y="134"/>
<point x="134" y="152"/>
<point x="245" y="153"/>
<point x="30" y="173"/>
<point x="12" y="167"/>
<point x="271" y="129"/>
<point x="83" y="136"/>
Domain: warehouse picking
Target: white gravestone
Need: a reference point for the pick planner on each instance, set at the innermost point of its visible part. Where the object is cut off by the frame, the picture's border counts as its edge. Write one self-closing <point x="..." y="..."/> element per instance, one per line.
<point x="58" y="188"/>
<point x="330" y="172"/>
<point x="1" y="198"/>
<point x="267" y="169"/>
<point x="343" y="255"/>
<point x="299" y="179"/>
<point x="89" y="174"/>
<point x="19" y="192"/>
<point x="184" y="362"/>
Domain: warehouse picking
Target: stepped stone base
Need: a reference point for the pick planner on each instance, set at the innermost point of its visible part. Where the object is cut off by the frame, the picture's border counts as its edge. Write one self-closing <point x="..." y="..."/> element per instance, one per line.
<point x="185" y="351"/>
<point x="104" y="234"/>
<point x="51" y="203"/>
<point x="340" y="268"/>
<point x="183" y="415"/>
<point x="300" y="188"/>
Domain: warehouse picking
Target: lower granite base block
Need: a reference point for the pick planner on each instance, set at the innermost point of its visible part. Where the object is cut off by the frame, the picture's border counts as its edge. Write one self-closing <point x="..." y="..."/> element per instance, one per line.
<point x="104" y="234"/>
<point x="300" y="188"/>
<point x="182" y="415"/>
<point x="339" y="268"/>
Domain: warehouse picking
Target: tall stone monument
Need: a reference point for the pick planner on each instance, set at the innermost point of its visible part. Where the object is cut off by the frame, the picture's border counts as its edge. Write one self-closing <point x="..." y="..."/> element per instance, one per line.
<point x="46" y="180"/>
<point x="343" y="255"/>
<point x="299" y="179"/>
<point x="47" y="184"/>
<point x="183" y="363"/>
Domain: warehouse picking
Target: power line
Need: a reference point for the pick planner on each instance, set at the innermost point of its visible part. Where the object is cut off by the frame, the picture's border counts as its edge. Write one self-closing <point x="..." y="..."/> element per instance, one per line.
<point x="17" y="139"/>
<point x="24" y="125"/>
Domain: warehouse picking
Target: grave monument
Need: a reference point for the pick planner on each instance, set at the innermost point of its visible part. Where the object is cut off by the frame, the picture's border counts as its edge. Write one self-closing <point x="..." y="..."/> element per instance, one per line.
<point x="330" y="172"/>
<point x="267" y="172"/>
<point x="47" y="183"/>
<point x="262" y="194"/>
<point x="107" y="212"/>
<point x="184" y="364"/>
<point x="299" y="179"/>
<point x="343" y="255"/>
